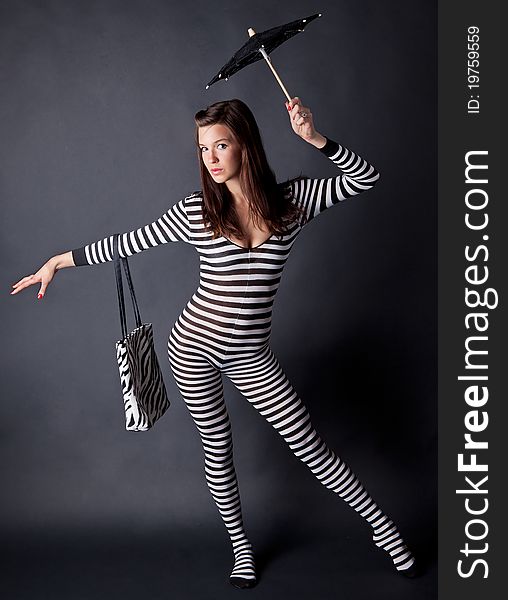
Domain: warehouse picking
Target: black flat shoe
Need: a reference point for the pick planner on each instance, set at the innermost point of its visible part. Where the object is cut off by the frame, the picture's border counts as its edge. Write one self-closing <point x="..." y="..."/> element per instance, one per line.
<point x="240" y="582"/>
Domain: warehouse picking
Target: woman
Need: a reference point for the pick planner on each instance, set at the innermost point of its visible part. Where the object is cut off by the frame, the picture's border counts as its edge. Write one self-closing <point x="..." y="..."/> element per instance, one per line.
<point x="243" y="224"/>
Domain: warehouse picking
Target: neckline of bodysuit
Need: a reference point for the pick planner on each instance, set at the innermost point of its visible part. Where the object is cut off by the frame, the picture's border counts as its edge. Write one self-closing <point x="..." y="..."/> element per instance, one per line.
<point x="247" y="247"/>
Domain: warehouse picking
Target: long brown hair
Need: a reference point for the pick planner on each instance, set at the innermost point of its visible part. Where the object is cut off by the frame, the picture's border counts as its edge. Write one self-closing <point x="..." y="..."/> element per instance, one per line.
<point x="269" y="201"/>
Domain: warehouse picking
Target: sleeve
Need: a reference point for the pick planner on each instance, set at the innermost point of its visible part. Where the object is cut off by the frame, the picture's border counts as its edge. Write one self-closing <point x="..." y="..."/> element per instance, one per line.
<point x="316" y="195"/>
<point x="172" y="226"/>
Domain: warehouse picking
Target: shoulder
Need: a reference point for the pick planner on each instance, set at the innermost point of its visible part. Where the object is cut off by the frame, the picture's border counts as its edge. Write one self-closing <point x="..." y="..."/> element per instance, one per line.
<point x="187" y="206"/>
<point x="199" y="193"/>
<point x="193" y="199"/>
<point x="287" y="187"/>
<point x="193" y="207"/>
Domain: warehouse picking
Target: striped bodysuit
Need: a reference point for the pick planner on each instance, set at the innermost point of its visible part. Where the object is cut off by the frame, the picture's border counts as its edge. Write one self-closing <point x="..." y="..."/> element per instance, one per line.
<point x="225" y="329"/>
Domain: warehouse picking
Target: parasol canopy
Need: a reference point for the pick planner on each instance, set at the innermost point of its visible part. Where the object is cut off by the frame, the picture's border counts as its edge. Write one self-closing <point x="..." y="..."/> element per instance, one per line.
<point x="259" y="46"/>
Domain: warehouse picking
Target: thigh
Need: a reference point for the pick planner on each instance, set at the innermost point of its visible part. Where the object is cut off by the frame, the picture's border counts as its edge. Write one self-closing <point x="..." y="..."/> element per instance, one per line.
<point x="200" y="384"/>
<point x="263" y="382"/>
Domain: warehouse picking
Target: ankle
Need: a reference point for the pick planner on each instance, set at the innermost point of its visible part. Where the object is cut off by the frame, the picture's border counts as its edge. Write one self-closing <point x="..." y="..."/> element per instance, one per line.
<point x="244" y="569"/>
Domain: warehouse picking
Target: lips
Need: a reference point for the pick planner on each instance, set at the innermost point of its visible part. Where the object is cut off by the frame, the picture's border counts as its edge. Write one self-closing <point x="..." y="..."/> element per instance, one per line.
<point x="215" y="171"/>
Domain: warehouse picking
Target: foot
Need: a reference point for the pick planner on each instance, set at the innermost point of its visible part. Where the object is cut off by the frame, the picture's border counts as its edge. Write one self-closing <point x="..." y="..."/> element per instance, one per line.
<point x="243" y="574"/>
<point x="240" y="582"/>
<point x="412" y="571"/>
<point x="387" y="537"/>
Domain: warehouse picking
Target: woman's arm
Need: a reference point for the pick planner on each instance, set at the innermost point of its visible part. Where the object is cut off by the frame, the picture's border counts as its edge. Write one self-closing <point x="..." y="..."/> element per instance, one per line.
<point x="172" y="226"/>
<point x="316" y="195"/>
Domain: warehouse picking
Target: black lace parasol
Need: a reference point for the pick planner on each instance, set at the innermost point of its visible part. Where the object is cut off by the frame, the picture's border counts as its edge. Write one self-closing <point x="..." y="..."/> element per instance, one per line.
<point x="259" y="46"/>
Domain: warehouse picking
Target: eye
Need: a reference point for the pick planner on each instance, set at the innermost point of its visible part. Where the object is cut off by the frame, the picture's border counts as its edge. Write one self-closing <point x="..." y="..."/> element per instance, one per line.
<point x="205" y="148"/>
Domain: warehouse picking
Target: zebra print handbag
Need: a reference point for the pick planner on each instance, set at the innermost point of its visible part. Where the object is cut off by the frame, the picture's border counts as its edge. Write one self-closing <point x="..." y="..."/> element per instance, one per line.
<point x="144" y="393"/>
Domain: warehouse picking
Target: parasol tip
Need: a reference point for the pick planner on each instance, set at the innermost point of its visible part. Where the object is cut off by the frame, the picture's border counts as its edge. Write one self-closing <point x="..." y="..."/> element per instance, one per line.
<point x="207" y="87"/>
<point x="251" y="32"/>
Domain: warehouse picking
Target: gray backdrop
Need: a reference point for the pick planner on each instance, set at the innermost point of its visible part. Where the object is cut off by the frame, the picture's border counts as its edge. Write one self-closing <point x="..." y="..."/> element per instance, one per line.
<point x="97" y="109"/>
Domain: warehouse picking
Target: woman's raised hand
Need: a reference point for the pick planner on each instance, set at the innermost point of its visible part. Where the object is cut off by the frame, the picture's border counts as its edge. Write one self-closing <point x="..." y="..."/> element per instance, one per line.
<point x="304" y="125"/>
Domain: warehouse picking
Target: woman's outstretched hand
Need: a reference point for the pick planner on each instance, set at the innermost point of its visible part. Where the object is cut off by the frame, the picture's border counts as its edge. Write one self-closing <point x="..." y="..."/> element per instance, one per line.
<point x="45" y="274"/>
<point x="303" y="125"/>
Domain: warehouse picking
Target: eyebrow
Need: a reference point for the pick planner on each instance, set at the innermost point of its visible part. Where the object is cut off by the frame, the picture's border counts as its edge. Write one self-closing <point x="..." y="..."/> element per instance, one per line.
<point x="227" y="139"/>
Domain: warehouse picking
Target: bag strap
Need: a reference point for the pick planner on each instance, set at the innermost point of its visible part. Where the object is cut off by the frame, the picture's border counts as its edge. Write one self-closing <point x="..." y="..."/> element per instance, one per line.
<point x="131" y="289"/>
<point x="119" y="287"/>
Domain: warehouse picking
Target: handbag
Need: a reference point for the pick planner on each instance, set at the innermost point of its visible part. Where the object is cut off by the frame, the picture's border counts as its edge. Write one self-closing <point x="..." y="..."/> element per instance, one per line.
<point x="144" y="393"/>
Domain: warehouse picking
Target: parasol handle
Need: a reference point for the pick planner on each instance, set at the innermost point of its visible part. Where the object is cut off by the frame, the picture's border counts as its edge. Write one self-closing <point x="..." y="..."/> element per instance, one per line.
<point x="269" y="62"/>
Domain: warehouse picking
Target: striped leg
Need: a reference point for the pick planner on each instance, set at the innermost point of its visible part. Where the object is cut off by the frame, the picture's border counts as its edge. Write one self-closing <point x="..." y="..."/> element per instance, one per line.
<point x="262" y="381"/>
<point x="201" y="387"/>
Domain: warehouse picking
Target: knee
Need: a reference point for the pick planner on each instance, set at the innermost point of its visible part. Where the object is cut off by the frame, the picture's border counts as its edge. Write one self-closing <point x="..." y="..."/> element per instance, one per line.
<point x="218" y="453"/>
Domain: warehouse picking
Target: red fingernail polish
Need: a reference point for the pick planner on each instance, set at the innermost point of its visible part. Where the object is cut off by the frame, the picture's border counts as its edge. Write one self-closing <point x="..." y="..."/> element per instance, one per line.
<point x="39" y="296"/>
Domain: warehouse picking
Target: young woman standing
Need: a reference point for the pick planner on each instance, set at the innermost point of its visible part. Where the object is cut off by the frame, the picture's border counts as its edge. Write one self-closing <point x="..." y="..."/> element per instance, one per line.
<point x="243" y="225"/>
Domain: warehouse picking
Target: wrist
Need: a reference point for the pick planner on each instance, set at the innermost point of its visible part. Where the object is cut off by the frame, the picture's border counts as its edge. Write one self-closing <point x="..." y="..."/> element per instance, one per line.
<point x="60" y="261"/>
<point x="318" y="140"/>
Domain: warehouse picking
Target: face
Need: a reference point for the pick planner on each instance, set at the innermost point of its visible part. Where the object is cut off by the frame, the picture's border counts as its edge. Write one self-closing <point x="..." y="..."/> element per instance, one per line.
<point x="219" y="151"/>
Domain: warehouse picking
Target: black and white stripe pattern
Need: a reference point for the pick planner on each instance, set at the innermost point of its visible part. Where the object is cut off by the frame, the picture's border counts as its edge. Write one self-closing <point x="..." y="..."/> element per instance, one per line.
<point x="225" y="329"/>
